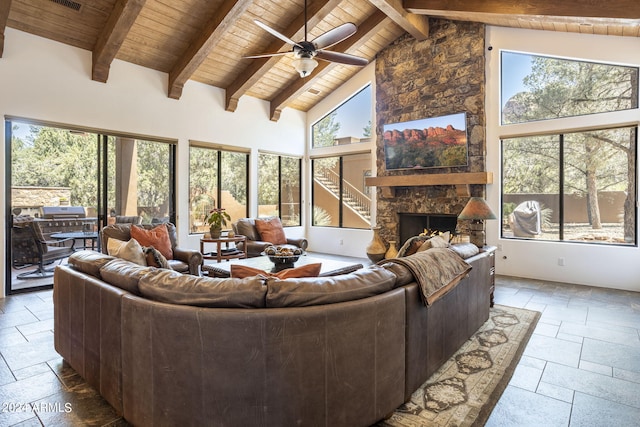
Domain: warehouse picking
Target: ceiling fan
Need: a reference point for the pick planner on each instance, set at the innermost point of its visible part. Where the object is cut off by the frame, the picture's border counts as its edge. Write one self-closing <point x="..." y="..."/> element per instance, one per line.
<point x="305" y="51"/>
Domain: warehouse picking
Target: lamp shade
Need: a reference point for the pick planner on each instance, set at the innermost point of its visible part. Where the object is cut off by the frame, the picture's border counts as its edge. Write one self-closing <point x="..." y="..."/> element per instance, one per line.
<point x="304" y="65"/>
<point x="477" y="209"/>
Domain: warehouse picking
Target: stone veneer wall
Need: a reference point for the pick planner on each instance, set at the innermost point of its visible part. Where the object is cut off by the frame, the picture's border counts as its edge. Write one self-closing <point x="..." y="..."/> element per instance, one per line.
<point x="442" y="75"/>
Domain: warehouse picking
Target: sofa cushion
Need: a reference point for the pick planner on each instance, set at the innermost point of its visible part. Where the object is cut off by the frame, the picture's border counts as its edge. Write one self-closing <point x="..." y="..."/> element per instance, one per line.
<point x="89" y="262"/>
<point x="129" y="250"/>
<point x="307" y="291"/>
<point x="175" y="288"/>
<point x="124" y="274"/>
<point x="271" y="230"/>
<point x="246" y="227"/>
<point x="402" y="273"/>
<point x="158" y="237"/>
<point x="309" y="270"/>
<point x="465" y="250"/>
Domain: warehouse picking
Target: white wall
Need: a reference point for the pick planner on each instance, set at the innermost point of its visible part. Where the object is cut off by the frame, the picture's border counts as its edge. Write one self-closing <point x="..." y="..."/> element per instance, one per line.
<point x="341" y="241"/>
<point x="44" y="80"/>
<point x="597" y="265"/>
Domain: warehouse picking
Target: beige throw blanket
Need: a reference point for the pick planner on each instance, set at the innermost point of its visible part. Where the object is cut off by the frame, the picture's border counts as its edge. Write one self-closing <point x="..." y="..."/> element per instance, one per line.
<point x="436" y="271"/>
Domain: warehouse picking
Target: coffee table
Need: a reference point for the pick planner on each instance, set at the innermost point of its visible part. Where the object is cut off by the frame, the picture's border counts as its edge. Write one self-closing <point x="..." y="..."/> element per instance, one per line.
<point x="329" y="267"/>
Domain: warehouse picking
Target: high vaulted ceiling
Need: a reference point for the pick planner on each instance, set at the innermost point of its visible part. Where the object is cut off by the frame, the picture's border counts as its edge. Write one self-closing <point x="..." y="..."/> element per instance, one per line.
<point x="205" y="40"/>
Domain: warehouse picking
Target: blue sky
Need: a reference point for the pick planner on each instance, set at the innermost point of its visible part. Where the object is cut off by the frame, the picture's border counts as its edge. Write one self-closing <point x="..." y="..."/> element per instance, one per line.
<point x="518" y="66"/>
<point x="355" y="114"/>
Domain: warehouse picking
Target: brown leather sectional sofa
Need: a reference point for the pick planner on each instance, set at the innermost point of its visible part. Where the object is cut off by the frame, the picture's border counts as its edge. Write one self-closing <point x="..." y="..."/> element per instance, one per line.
<point x="337" y="351"/>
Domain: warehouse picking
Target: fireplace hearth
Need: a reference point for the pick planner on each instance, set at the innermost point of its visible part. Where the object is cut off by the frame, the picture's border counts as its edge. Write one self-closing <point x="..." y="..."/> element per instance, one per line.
<point x="412" y="224"/>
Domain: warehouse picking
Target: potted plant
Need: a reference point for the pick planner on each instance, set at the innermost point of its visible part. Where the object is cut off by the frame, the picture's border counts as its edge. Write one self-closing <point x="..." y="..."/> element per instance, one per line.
<point x="216" y="218"/>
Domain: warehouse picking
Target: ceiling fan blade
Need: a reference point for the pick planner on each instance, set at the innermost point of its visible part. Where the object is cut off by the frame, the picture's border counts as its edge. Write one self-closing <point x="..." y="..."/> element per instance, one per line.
<point x="342" y="58"/>
<point x="334" y="36"/>
<point x="275" y="33"/>
<point x="265" y="55"/>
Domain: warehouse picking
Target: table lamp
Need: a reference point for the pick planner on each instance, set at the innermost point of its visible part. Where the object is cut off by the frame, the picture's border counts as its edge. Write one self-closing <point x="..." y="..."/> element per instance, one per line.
<point x="477" y="210"/>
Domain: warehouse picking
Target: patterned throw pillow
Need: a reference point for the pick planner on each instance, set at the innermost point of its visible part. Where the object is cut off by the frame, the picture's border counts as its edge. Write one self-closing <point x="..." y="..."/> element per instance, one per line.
<point x="158" y="237"/>
<point x="130" y="251"/>
<point x="434" y="242"/>
<point x="309" y="270"/>
<point x="271" y="230"/>
<point x="155" y="258"/>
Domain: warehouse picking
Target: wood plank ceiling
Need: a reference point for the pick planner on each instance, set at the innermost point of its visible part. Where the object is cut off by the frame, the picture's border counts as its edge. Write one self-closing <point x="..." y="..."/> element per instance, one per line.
<point x="205" y="40"/>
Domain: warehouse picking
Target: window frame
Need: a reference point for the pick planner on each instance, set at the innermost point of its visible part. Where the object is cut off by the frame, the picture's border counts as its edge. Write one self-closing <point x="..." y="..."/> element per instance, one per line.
<point x="564" y="125"/>
<point x="362" y="138"/>
<point x="218" y="197"/>
<point x="340" y="158"/>
<point x="280" y="202"/>
<point x="561" y="192"/>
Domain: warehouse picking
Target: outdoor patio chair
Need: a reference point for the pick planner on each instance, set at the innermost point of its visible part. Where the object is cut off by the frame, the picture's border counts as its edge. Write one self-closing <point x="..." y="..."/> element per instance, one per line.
<point x="29" y="247"/>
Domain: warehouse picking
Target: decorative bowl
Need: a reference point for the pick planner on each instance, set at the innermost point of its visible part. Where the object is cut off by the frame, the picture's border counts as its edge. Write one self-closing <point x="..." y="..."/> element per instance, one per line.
<point x="281" y="261"/>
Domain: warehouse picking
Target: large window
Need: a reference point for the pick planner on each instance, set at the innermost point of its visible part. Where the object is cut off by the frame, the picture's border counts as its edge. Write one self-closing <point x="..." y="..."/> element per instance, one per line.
<point x="568" y="184"/>
<point x="217" y="179"/>
<point x="99" y="177"/>
<point x="340" y="197"/>
<point x="349" y="123"/>
<point x="540" y="87"/>
<point x="279" y="189"/>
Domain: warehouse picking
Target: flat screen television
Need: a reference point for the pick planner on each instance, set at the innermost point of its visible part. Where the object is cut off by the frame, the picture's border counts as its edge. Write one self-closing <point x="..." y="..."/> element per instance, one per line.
<point x="434" y="142"/>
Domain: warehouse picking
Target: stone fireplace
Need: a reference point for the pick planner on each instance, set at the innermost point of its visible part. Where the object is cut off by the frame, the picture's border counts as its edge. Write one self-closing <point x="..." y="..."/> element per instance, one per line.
<point x="442" y="75"/>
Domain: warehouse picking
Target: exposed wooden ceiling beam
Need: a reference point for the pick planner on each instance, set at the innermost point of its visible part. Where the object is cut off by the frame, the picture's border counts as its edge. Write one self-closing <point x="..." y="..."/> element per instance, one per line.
<point x="204" y="43"/>
<point x="416" y="25"/>
<point x="621" y="9"/>
<point x="257" y="68"/>
<point x="113" y="34"/>
<point x="4" y="15"/>
<point x="370" y="26"/>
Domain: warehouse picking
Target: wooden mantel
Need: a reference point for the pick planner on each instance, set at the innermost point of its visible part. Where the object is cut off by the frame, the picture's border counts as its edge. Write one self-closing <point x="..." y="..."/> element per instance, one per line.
<point x="460" y="180"/>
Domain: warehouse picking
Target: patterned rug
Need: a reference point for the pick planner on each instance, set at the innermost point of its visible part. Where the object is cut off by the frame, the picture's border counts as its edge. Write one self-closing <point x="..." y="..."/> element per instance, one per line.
<point x="465" y="389"/>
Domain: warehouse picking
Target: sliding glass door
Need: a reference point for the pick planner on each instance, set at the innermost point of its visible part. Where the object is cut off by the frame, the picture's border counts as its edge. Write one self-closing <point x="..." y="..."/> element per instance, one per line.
<point x="64" y="185"/>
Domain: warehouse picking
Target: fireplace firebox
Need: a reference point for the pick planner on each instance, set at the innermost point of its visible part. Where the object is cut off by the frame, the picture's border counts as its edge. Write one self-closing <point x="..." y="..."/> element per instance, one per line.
<point x="412" y="224"/>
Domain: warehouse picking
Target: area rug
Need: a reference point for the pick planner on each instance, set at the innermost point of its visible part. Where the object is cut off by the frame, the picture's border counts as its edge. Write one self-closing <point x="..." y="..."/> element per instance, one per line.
<point x="465" y="389"/>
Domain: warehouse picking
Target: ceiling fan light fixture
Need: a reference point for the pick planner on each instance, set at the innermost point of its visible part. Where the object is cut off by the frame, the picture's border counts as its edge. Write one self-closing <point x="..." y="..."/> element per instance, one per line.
<point x="304" y="65"/>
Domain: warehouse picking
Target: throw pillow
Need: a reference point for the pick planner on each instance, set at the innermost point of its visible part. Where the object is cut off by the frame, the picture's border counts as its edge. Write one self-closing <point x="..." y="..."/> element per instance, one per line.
<point x="271" y="230"/>
<point x="155" y="258"/>
<point x="158" y="237"/>
<point x="309" y="270"/>
<point x="434" y="242"/>
<point x="130" y="251"/>
<point x="411" y="246"/>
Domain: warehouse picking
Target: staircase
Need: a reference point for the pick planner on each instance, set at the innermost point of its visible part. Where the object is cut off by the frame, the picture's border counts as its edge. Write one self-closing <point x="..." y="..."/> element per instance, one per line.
<point x="354" y="199"/>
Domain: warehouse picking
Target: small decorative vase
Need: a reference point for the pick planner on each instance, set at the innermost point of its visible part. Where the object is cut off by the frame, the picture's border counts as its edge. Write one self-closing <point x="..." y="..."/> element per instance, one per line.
<point x="215" y="231"/>
<point x="231" y="234"/>
<point x="376" y="248"/>
<point x="392" y="252"/>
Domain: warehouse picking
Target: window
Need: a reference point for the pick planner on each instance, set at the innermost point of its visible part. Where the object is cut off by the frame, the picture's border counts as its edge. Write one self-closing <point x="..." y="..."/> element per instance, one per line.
<point x="340" y="197"/>
<point x="279" y="191"/>
<point x="566" y="184"/>
<point x="99" y="176"/>
<point x="349" y="123"/>
<point x="540" y="87"/>
<point x="217" y="178"/>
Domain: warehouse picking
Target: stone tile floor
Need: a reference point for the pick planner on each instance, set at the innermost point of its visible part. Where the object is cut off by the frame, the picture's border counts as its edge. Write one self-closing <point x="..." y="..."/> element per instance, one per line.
<point x="582" y="364"/>
<point x="580" y="368"/>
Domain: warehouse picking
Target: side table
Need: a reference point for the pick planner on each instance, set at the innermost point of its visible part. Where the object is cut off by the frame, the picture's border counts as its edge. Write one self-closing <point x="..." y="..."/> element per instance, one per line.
<point x="225" y="253"/>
